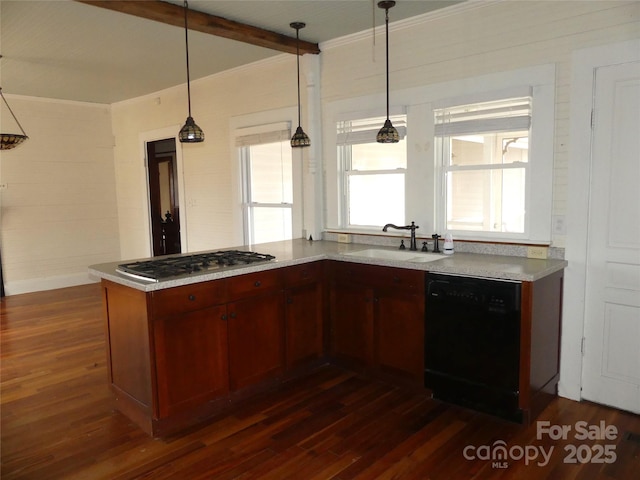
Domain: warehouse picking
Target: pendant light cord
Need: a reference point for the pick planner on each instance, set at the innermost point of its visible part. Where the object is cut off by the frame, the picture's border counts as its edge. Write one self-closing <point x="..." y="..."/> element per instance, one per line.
<point x="12" y="114"/>
<point x="299" y="139"/>
<point x="386" y="21"/>
<point x="298" y="67"/>
<point x="186" y="42"/>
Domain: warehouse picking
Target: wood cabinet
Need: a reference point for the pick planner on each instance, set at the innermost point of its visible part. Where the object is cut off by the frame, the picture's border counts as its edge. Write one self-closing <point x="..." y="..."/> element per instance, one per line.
<point x="377" y="319"/>
<point x="304" y="314"/>
<point x="191" y="359"/>
<point x="215" y="337"/>
<point x="255" y="328"/>
<point x="189" y="331"/>
<point x="256" y="339"/>
<point x="540" y="331"/>
<point x="399" y="334"/>
<point x="178" y="355"/>
<point x="129" y="363"/>
<point x="352" y="323"/>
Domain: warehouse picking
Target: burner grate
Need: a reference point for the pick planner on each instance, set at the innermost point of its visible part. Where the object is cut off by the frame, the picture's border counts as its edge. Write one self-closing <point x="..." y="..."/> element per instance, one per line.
<point x="161" y="268"/>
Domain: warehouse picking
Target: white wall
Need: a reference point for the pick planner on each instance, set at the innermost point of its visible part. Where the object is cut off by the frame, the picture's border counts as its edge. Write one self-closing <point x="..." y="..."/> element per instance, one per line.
<point x="58" y="213"/>
<point x="210" y="168"/>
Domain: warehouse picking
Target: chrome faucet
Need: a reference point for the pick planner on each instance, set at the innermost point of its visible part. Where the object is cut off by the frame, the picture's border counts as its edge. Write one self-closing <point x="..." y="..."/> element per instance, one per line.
<point x="411" y="227"/>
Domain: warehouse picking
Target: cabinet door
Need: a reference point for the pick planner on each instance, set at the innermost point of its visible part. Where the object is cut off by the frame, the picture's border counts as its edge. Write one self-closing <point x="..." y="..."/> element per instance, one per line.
<point x="256" y="339"/>
<point x="191" y="359"/>
<point x="303" y="317"/>
<point x="128" y="349"/>
<point x="399" y="333"/>
<point x="352" y="323"/>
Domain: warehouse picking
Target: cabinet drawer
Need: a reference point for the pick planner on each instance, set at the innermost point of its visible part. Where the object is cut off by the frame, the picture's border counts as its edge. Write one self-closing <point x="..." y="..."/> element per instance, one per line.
<point x="379" y="277"/>
<point x="299" y="274"/>
<point x="252" y="284"/>
<point x="188" y="298"/>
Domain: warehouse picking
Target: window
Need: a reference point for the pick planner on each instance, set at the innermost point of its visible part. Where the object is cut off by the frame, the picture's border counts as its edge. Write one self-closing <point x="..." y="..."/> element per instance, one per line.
<point x="373" y="174"/>
<point x="484" y="196"/>
<point x="484" y="153"/>
<point x="267" y="178"/>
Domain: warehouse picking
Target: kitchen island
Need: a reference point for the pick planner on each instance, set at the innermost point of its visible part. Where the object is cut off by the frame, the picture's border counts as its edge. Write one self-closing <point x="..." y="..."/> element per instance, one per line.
<point x="185" y="348"/>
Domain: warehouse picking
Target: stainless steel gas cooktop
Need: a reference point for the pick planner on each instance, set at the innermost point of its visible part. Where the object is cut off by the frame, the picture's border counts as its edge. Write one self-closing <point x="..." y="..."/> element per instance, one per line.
<point x="167" y="267"/>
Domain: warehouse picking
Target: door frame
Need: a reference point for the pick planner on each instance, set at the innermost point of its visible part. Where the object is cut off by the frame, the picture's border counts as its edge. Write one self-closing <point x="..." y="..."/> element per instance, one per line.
<point x="153" y="136"/>
<point x="584" y="64"/>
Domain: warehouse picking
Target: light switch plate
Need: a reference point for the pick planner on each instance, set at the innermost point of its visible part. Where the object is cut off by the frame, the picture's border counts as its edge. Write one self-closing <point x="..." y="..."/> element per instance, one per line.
<point x="559" y="227"/>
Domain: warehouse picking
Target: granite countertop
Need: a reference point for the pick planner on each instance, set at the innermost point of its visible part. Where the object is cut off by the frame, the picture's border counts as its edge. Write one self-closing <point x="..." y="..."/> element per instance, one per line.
<point x="295" y="252"/>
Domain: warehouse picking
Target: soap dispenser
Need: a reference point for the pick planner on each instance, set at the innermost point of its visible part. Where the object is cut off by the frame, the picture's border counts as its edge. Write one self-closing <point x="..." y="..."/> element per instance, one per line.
<point x="448" y="244"/>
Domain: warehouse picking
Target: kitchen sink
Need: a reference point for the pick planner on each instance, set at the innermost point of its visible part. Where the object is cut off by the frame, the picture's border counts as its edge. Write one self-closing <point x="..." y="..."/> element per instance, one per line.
<point x="402" y="255"/>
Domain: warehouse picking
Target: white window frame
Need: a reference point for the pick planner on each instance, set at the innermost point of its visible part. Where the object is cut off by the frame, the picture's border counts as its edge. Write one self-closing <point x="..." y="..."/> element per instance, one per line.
<point x="539" y="168"/>
<point x="261" y="123"/>
<point x="245" y="139"/>
<point x="346" y="139"/>
<point x="423" y="178"/>
<point x="516" y="117"/>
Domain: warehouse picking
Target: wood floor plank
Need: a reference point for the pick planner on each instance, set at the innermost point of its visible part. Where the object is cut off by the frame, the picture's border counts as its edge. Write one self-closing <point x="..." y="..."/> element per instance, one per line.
<point x="57" y="420"/>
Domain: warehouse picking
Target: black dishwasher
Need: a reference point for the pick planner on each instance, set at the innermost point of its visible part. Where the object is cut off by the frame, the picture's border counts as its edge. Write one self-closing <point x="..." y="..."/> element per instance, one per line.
<point x="472" y="343"/>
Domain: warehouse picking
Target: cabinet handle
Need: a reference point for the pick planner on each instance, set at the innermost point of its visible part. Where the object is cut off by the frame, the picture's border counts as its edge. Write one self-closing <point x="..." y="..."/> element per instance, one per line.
<point x="257" y="284"/>
<point x="192" y="297"/>
<point x="289" y="300"/>
<point x="224" y="316"/>
<point x="233" y="315"/>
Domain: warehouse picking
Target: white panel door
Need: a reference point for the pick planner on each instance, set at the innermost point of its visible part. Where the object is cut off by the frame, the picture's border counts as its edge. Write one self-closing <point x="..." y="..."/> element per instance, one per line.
<point x="611" y="364"/>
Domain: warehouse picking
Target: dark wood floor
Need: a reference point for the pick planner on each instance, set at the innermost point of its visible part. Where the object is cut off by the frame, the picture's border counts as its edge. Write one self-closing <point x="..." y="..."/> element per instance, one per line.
<point x="58" y="422"/>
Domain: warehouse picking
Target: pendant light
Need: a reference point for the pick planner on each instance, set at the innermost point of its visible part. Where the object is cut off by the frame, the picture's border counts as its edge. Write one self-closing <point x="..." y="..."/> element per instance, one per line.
<point x="11" y="140"/>
<point x="190" y="132"/>
<point x="388" y="133"/>
<point x="299" y="139"/>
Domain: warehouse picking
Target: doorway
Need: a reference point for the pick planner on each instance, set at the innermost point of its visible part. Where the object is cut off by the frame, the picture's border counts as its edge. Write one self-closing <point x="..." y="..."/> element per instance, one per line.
<point x="164" y="202"/>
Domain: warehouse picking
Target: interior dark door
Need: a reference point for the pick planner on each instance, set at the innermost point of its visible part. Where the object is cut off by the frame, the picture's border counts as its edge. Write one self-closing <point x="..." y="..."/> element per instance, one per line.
<point x="163" y="197"/>
<point x="1" y="279"/>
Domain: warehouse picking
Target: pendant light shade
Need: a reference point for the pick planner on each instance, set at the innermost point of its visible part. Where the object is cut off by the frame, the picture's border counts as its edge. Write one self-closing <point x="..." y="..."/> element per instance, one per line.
<point x="190" y="132"/>
<point x="388" y="133"/>
<point x="11" y="140"/>
<point x="299" y="139"/>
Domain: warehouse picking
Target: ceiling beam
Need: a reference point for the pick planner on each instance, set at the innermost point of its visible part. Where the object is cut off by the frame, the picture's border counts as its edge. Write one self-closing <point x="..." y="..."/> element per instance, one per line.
<point x="203" y="22"/>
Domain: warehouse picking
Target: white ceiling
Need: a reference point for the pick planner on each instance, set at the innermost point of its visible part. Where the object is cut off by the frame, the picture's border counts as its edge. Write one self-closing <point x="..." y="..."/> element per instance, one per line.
<point x="67" y="50"/>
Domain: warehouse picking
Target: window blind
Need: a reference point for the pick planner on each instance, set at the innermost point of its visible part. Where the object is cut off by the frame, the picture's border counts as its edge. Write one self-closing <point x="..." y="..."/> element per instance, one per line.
<point x="277" y="132"/>
<point x="355" y="132"/>
<point x="498" y="116"/>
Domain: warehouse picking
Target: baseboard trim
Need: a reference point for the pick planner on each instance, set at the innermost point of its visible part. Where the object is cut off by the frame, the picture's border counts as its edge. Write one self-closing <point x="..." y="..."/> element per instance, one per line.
<point x="46" y="283"/>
